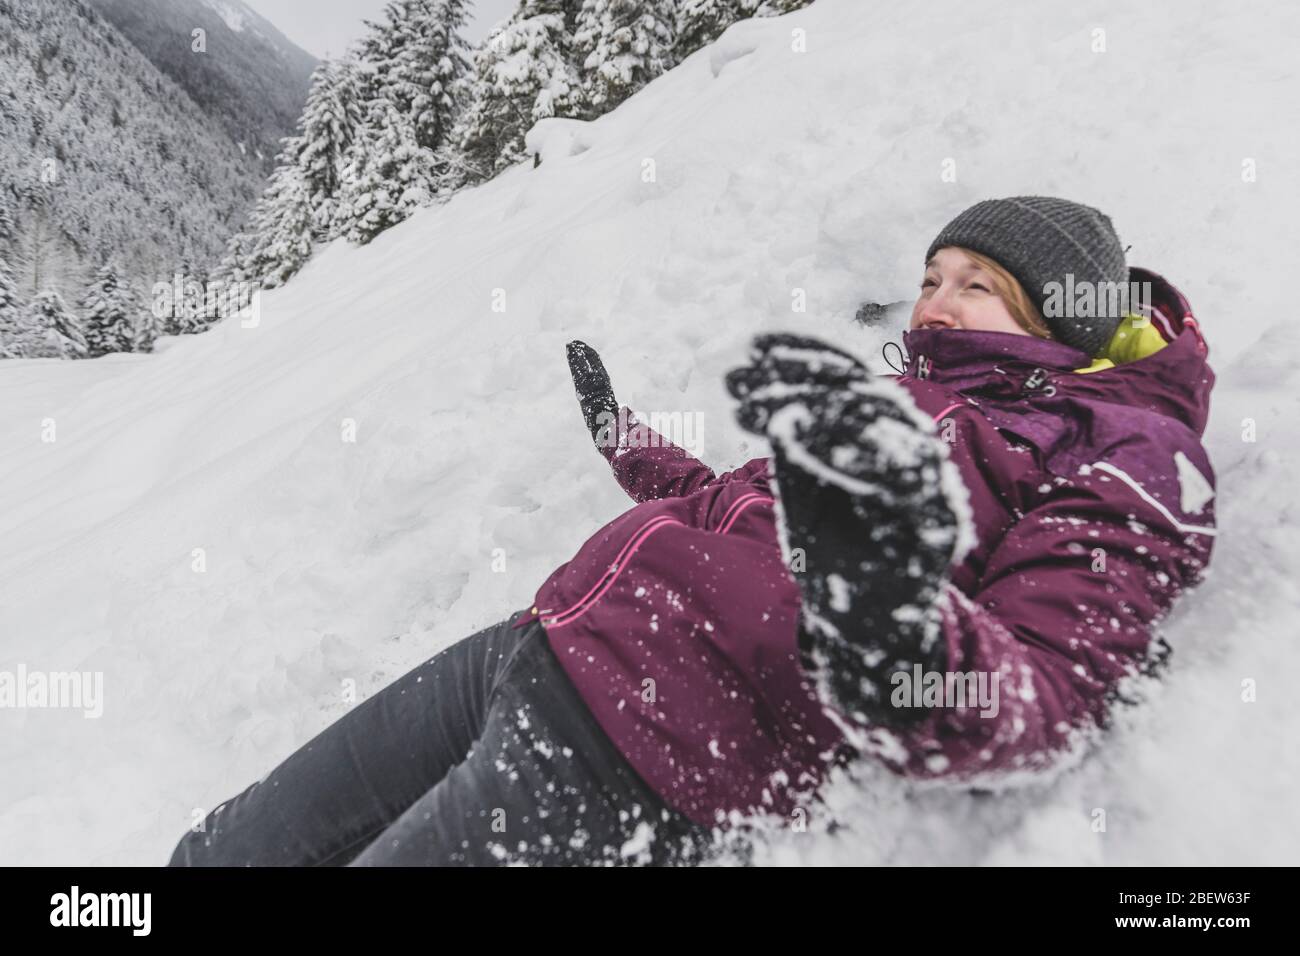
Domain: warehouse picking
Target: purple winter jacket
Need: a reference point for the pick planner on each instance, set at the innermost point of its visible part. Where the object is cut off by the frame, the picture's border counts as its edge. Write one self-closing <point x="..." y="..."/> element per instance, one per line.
<point x="1092" y="499"/>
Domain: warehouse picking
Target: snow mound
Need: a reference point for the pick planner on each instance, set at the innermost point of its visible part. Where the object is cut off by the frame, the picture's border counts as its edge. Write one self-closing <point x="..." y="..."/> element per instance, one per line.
<point x="665" y="234"/>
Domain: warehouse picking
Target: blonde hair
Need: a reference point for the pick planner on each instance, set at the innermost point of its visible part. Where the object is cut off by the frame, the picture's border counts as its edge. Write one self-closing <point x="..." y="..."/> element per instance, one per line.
<point x="1012" y="293"/>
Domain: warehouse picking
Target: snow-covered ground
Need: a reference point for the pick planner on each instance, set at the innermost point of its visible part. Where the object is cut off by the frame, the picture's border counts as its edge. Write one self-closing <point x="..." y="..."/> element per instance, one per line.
<point x="774" y="170"/>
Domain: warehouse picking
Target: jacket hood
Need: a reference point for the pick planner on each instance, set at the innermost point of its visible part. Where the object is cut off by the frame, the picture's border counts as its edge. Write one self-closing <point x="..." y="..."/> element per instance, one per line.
<point x="1174" y="381"/>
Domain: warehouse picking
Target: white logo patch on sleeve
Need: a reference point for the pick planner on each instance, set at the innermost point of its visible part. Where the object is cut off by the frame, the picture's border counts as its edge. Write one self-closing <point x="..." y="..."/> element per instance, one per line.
<point x="1196" y="491"/>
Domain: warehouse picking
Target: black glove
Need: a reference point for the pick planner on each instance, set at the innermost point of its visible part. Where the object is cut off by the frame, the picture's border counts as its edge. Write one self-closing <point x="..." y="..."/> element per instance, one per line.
<point x="867" y="522"/>
<point x="595" y="394"/>
<point x="784" y="367"/>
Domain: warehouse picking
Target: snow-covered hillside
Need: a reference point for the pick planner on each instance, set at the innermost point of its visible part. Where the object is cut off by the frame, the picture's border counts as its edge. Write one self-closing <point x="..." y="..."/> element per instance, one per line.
<point x="773" y="170"/>
<point x="103" y="158"/>
<point x="250" y="78"/>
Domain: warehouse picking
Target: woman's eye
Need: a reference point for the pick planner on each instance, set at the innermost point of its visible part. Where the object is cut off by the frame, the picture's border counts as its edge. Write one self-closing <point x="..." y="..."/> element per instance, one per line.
<point x="927" y="282"/>
<point x="979" y="285"/>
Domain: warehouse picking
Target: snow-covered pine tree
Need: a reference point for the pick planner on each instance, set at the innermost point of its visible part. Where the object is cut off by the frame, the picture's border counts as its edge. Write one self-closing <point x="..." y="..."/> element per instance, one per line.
<point x="327" y="129"/>
<point x="388" y="177"/>
<point x="235" y="264"/>
<point x="279" y="239"/>
<point x="42" y="255"/>
<point x="425" y="60"/>
<point x="10" y="312"/>
<point x="622" y="45"/>
<point x="49" y="330"/>
<point x="6" y="224"/>
<point x="144" y="334"/>
<point x="523" y="72"/>
<point x="775" y="8"/>
<point x="411" y="70"/>
<point x="193" y="315"/>
<point x="145" y="331"/>
<point x="700" y="22"/>
<point x="298" y="204"/>
<point x="108" y="314"/>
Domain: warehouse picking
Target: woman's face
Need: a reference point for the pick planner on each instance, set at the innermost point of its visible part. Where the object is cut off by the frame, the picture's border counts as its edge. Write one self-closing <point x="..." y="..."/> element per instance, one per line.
<point x="957" y="293"/>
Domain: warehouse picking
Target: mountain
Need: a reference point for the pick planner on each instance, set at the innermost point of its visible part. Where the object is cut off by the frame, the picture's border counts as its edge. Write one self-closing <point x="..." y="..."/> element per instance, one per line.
<point x="252" y="79"/>
<point x="665" y="234"/>
<point x="103" y="159"/>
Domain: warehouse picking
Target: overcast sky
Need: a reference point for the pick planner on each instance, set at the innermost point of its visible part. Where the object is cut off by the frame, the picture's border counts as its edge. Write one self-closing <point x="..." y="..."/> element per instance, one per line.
<point x="327" y="27"/>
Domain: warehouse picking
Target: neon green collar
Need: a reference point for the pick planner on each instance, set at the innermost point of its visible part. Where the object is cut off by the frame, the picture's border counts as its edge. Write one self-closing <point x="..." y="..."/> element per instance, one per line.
<point x="1135" y="338"/>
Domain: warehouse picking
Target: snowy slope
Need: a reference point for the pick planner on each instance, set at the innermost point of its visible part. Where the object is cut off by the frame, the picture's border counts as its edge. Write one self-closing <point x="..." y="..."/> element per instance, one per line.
<point x="328" y="561"/>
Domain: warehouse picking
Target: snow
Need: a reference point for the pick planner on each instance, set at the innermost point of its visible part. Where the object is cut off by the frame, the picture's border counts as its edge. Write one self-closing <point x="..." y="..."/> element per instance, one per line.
<point x="1194" y="490"/>
<point x="329" y="561"/>
<point x="232" y="15"/>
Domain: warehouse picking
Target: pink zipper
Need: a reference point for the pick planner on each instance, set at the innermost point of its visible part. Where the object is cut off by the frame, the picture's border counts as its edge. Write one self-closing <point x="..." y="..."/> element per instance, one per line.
<point x="611" y="573"/>
<point x="739" y="505"/>
<point x="638" y="538"/>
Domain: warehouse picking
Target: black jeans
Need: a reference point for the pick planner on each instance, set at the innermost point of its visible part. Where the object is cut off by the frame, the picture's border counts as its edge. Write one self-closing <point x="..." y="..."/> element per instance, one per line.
<point x="485" y="754"/>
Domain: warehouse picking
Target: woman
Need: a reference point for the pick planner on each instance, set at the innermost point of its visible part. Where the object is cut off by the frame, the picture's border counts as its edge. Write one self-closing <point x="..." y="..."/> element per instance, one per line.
<point x="951" y="570"/>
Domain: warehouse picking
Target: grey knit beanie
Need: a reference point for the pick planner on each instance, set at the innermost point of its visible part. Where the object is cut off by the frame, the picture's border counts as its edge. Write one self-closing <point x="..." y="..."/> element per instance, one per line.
<point x="1041" y="240"/>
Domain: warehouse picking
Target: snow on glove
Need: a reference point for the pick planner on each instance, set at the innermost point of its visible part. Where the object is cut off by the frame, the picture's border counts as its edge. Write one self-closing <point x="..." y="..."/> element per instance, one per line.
<point x="784" y="367"/>
<point x="595" y="393"/>
<point x="868" y="519"/>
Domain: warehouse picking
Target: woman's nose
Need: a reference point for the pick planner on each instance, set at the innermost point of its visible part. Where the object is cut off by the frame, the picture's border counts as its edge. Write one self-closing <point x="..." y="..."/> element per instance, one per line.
<point x="936" y="316"/>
